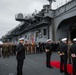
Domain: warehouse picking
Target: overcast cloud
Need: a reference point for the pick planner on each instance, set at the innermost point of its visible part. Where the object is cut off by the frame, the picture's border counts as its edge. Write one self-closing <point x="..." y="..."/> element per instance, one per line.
<point x="8" y="9"/>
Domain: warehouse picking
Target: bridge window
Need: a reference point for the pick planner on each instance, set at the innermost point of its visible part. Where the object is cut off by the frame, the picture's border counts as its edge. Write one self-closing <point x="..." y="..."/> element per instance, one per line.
<point x="44" y="32"/>
<point x="20" y="36"/>
<point x="25" y="36"/>
<point x="16" y="39"/>
<point x="36" y="34"/>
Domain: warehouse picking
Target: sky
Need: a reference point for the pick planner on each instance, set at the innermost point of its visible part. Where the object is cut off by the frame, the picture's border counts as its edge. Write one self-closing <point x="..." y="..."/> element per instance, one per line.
<point x="9" y="8"/>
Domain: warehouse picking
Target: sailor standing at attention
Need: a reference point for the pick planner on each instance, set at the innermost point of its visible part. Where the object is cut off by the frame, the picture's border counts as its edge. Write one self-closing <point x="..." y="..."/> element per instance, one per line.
<point x="62" y="50"/>
<point x="48" y="50"/>
<point x="73" y="55"/>
<point x="20" y="56"/>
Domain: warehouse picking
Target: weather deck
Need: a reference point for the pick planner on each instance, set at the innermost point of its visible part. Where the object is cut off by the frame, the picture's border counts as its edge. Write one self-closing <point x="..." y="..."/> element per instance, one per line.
<point x="34" y="64"/>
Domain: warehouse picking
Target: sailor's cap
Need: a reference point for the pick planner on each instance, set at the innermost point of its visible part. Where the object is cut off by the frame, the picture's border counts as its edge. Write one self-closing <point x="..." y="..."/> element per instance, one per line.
<point x="48" y="40"/>
<point x="21" y="39"/>
<point x="74" y="39"/>
<point x="64" y="39"/>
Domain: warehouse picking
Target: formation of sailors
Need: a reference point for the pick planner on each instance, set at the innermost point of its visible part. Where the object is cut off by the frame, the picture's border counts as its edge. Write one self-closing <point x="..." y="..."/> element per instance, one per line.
<point x="38" y="47"/>
<point x="67" y="51"/>
<point x="7" y="49"/>
<point x="33" y="48"/>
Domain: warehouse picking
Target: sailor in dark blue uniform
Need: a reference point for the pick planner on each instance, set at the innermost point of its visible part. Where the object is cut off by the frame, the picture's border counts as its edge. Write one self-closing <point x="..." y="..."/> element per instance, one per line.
<point x="20" y="55"/>
<point x="48" y="50"/>
<point x="73" y="55"/>
<point x="63" y="48"/>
